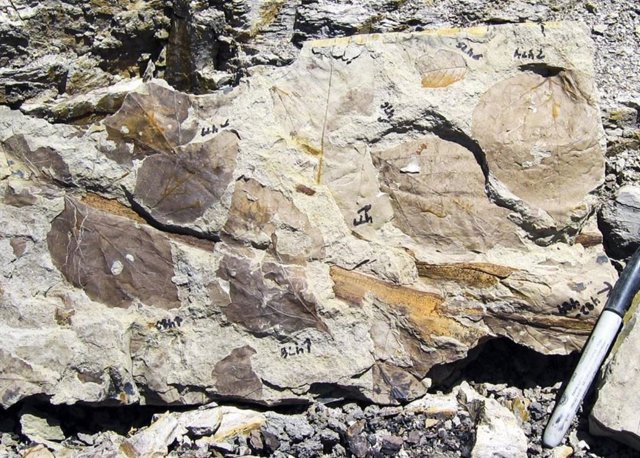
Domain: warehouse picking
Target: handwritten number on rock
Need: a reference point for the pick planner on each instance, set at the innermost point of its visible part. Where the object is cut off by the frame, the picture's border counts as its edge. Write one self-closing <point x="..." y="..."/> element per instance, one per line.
<point x="213" y="129"/>
<point x="528" y="54"/>
<point x="468" y="50"/>
<point x="296" y="349"/>
<point x="166" y="323"/>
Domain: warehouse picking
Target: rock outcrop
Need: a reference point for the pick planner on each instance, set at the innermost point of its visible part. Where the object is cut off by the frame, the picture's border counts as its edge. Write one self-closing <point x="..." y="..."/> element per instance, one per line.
<point x="53" y="48"/>
<point x="335" y="228"/>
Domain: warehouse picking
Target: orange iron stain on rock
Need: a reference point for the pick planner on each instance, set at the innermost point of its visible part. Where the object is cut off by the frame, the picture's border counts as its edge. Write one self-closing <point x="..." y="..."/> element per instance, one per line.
<point x="422" y="308"/>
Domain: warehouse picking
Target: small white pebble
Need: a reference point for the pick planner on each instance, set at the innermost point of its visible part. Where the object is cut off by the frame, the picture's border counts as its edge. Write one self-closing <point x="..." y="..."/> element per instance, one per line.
<point x="116" y="267"/>
<point x="411" y="167"/>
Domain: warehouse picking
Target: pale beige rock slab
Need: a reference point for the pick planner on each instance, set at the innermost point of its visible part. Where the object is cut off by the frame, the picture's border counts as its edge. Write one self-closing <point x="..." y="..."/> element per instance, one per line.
<point x="542" y="138"/>
<point x="308" y="137"/>
<point x="498" y="433"/>
<point x="39" y="451"/>
<point x="39" y="427"/>
<point x="155" y="440"/>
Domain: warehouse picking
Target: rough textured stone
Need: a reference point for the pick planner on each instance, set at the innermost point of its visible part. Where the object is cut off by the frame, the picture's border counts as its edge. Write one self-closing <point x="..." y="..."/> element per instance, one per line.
<point x="498" y="432"/>
<point x="92" y="45"/>
<point x="333" y="229"/>
<point x="621" y="221"/>
<point x="39" y="427"/>
<point x="615" y="413"/>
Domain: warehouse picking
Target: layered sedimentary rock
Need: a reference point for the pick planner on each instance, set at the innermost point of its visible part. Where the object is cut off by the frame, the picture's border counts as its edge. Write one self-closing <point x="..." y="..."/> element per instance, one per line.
<point x="335" y="228"/>
<point x="53" y="48"/>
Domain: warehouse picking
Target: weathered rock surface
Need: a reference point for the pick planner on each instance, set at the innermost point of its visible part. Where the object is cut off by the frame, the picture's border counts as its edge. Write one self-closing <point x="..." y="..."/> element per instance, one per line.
<point x="335" y="228"/>
<point x="615" y="413"/>
<point x="40" y="428"/>
<point x="498" y="433"/>
<point x="92" y="45"/>
<point x="621" y="220"/>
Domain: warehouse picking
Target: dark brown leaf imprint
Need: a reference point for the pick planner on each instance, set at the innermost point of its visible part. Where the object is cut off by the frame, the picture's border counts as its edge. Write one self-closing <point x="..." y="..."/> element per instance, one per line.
<point x="153" y="121"/>
<point x="113" y="259"/>
<point x="268" y="298"/>
<point x="180" y="187"/>
<point x="234" y="375"/>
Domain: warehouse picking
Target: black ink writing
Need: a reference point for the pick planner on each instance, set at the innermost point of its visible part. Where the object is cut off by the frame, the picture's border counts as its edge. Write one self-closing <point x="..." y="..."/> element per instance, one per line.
<point x="468" y="50"/>
<point x="607" y="288"/>
<point x="573" y="305"/>
<point x="213" y="129"/>
<point x="296" y="349"/>
<point x="528" y="54"/>
<point x="364" y="216"/>
<point x="166" y="323"/>
<point x="389" y="111"/>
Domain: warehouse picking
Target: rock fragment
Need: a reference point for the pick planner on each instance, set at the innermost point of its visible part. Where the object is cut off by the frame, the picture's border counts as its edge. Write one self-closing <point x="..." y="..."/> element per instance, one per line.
<point x="613" y="413"/>
<point x="620" y="219"/>
<point x="498" y="432"/>
<point x="39" y="427"/>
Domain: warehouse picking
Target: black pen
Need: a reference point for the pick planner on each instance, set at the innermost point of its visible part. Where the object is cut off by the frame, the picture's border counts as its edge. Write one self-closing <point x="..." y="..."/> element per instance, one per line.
<point x="594" y="352"/>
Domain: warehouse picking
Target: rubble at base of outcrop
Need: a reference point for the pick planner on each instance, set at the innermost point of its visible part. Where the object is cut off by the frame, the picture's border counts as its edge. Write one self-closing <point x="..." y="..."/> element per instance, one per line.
<point x="482" y="420"/>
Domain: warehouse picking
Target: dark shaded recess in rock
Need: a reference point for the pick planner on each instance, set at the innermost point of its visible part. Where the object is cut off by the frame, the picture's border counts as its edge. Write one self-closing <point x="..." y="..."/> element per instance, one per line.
<point x="20" y="84"/>
<point x="88" y="419"/>
<point x="304" y="29"/>
<point x="152" y="121"/>
<point x="395" y="384"/>
<point x="13" y="43"/>
<point x="179" y="188"/>
<point x="111" y="258"/>
<point x="542" y="69"/>
<point x="270" y="299"/>
<point x="193" y="41"/>
<point x="134" y="45"/>
<point x="43" y="161"/>
<point x="501" y="361"/>
<point x="333" y="393"/>
<point x="180" y="66"/>
<point x="234" y="376"/>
